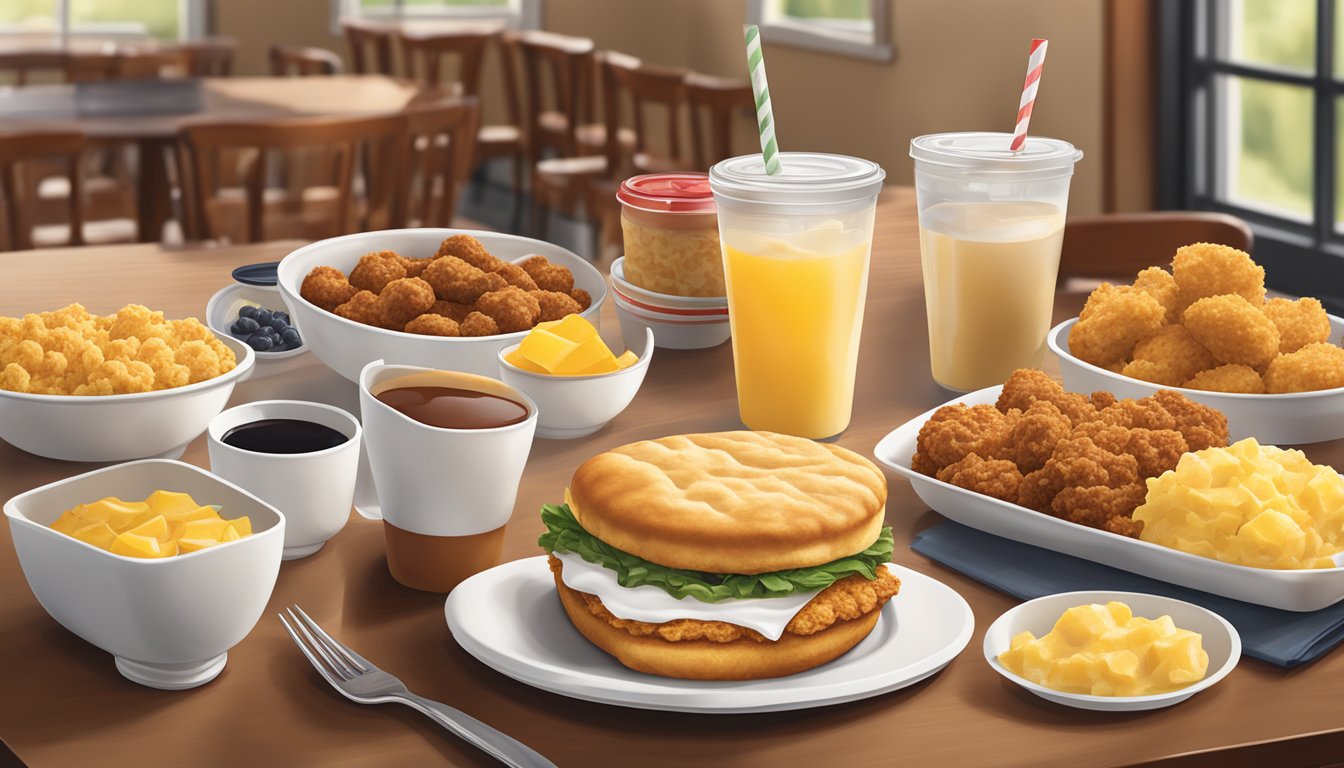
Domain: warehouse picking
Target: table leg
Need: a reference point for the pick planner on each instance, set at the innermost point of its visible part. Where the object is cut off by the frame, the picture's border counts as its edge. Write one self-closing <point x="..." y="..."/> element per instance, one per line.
<point x="153" y="194"/>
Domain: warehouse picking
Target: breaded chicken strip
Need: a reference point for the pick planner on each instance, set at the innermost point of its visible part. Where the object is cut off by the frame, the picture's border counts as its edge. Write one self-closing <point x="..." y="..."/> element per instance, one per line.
<point x="1228" y="378"/>
<point x="1233" y="330"/>
<point x="1169" y="357"/>
<point x="1315" y="366"/>
<point x="1206" y="269"/>
<point x="998" y="478"/>
<point x="1112" y="322"/>
<point x="1299" y="323"/>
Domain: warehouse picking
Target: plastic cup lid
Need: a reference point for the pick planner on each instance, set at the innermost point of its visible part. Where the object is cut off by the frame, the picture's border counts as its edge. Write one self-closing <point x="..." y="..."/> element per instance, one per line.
<point x="805" y="178"/>
<point x="668" y="192"/>
<point x="263" y="274"/>
<point x="988" y="151"/>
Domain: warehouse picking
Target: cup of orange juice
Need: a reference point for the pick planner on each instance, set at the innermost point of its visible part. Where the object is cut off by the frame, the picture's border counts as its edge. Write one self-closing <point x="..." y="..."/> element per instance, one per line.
<point x="991" y="222"/>
<point x="795" y="261"/>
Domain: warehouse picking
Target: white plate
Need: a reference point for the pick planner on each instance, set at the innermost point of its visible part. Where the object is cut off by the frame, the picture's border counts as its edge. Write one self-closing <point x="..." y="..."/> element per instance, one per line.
<point x="510" y="618"/>
<point x="216" y="316"/>
<point x="1291" y="419"/>
<point x="1299" y="590"/>
<point x="1220" y="640"/>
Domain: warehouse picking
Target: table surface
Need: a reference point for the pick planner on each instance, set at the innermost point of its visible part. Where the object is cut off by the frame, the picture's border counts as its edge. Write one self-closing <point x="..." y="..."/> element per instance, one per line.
<point x="66" y="704"/>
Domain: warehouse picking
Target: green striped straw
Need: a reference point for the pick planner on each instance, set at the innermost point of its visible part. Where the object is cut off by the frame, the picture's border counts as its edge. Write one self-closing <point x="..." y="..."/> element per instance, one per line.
<point x="765" y="118"/>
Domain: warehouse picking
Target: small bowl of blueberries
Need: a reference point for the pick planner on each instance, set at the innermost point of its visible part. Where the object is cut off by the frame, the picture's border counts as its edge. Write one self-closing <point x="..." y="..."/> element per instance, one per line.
<point x="254" y="314"/>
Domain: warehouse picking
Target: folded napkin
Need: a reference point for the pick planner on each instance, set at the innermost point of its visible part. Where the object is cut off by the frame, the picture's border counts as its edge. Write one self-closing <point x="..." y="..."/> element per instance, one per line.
<point x="1285" y="638"/>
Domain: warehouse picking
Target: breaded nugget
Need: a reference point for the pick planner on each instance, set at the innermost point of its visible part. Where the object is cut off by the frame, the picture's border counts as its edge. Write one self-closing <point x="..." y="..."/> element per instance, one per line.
<point x="477" y="324"/>
<point x="1201" y="426"/>
<point x="1158" y="283"/>
<point x="432" y="325"/>
<point x="363" y="307"/>
<point x="1228" y="378"/>
<point x="1315" y="366"/>
<point x="404" y="300"/>
<point x="375" y="270"/>
<point x="1026" y="386"/>
<point x="1233" y="329"/>
<point x="1207" y="269"/>
<point x="512" y="308"/>
<point x="1299" y="323"/>
<point x="327" y="288"/>
<point x="1108" y="508"/>
<point x="415" y="267"/>
<point x="1036" y="434"/>
<point x="470" y="250"/>
<point x="1155" y="450"/>
<point x="516" y="276"/>
<point x="1169" y="357"/>
<point x="451" y="309"/>
<point x="548" y="276"/>
<point x="581" y="296"/>
<point x="1112" y="322"/>
<point x="955" y="431"/>
<point x="455" y="280"/>
<point x="998" y="478"/>
<point x="555" y="305"/>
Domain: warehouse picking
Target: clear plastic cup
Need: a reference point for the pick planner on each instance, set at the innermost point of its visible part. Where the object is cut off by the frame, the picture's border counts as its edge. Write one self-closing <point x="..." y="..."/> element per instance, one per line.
<point x="795" y="256"/>
<point x="991" y="222"/>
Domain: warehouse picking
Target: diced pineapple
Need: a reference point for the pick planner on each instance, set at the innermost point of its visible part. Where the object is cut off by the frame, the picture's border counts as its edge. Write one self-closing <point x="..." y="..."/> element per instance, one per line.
<point x="134" y="545"/>
<point x="155" y="527"/>
<point x="203" y="529"/>
<point x="99" y="534"/>
<point x="168" y="502"/>
<point x="164" y="525"/>
<point x="68" y="522"/>
<point x="243" y="525"/>
<point x="626" y="359"/>
<point x="516" y="359"/>
<point x="193" y="545"/>
<point x="230" y="534"/>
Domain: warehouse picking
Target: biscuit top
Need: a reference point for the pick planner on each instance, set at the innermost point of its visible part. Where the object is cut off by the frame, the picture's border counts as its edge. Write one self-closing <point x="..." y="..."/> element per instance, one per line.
<point x="731" y="502"/>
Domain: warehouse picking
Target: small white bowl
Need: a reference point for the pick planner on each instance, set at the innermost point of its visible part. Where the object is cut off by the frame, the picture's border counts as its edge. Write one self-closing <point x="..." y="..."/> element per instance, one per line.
<point x="673" y="331"/>
<point x="169" y="623"/>
<point x="119" y="427"/>
<point x="1220" y="640"/>
<point x="1290" y="419"/>
<point x="575" y="406"/>
<point x="709" y="304"/>
<point x="217" y="317"/>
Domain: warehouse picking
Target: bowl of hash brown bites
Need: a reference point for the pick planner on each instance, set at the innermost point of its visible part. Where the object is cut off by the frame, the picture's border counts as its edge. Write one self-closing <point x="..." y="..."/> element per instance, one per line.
<point x="439" y="298"/>
<point x="1207" y="328"/>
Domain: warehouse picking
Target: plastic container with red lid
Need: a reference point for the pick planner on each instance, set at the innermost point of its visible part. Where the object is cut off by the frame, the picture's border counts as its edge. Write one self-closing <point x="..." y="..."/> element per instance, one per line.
<point x="671" y="232"/>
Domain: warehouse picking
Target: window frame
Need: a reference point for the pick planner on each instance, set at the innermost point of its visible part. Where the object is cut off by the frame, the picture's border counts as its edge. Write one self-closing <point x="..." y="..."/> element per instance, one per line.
<point x="519" y="14"/>
<point x="193" y="16"/>
<point x="816" y="38"/>
<point x="1300" y="257"/>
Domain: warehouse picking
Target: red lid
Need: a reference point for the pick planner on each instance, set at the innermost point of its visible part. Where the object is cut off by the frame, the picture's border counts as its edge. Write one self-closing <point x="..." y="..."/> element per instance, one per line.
<point x="668" y="193"/>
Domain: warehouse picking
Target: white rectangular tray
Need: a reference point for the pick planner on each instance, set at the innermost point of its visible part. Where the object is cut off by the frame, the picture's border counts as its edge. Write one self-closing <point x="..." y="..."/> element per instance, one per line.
<point x="1297" y="590"/>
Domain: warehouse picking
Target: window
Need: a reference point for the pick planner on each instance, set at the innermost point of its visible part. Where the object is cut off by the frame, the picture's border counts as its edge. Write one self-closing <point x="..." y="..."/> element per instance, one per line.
<point x="523" y="13"/>
<point x="857" y="28"/>
<point x="1252" y="122"/>
<point x="162" y="19"/>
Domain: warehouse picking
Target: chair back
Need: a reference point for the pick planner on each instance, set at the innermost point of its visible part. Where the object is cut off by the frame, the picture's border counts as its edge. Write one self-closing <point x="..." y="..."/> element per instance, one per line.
<point x="363" y="38"/>
<point x="446" y="128"/>
<point x="212" y="57"/>
<point x="560" y="67"/>
<point x="120" y="65"/>
<point x="18" y="148"/>
<point x="21" y="64"/>
<point x="370" y="141"/>
<point x="509" y="49"/>
<point x="424" y="56"/>
<point x="713" y="102"/>
<point x="303" y="61"/>
<point x="643" y="86"/>
<point x="1119" y="245"/>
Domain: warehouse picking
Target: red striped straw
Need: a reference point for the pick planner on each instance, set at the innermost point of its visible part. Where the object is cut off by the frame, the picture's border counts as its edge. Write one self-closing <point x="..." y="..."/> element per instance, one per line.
<point x="1035" y="63"/>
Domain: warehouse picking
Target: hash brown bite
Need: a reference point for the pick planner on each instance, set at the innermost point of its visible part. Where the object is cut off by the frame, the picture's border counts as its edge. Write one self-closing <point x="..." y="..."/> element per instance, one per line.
<point x="1209" y="269"/>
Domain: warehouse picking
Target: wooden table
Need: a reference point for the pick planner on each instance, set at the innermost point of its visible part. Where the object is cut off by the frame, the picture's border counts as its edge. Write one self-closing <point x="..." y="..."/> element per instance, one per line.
<point x="65" y="704"/>
<point x="236" y="98"/>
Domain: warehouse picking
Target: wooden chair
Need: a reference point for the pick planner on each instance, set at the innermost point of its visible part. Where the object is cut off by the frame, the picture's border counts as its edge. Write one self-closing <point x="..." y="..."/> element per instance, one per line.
<point x="1116" y="246"/>
<point x="559" y="74"/>
<point x="424" y="56"/>
<point x="304" y="61"/>
<point x="506" y="139"/>
<point x="713" y="103"/>
<point x="644" y="86"/>
<point x="18" y="148"/>
<point x="439" y="148"/>
<point x="367" y="141"/>
<point x="19" y="66"/>
<point x="363" y="37"/>
<point x="126" y="64"/>
<point x="211" y="57"/>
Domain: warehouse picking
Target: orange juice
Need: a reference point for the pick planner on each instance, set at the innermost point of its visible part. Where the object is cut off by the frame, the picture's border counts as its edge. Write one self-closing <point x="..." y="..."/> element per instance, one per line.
<point x="796" y="314"/>
<point x="989" y="283"/>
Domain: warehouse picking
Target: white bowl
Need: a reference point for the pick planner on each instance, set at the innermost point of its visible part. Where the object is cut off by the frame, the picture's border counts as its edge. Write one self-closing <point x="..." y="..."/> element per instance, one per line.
<point x="1038" y="616"/>
<point x="169" y="623"/>
<point x="217" y="317"/>
<point x="575" y="406"/>
<point x="638" y="295"/>
<point x="119" y="427"/>
<point x="1291" y="419"/>
<point x="673" y="331"/>
<point x="347" y="346"/>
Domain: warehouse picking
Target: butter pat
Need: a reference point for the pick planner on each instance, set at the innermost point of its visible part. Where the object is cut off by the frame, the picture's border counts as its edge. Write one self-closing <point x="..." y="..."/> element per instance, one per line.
<point x="567" y="347"/>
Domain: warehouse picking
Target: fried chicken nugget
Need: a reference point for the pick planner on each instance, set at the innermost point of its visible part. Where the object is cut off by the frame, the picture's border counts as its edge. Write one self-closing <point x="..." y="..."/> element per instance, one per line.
<point x="512" y="308"/>
<point x="477" y="324"/>
<point x="585" y="300"/>
<point x="1228" y="378"/>
<point x="415" y="267"/>
<point x="1100" y="506"/>
<point x="433" y="325"/>
<point x="1036" y="434"/>
<point x="327" y="288"/>
<point x="1299" y="323"/>
<point x="1158" y="283"/>
<point x="516" y="276"/>
<point x="548" y="276"/>
<point x="1076" y="462"/>
<point x="470" y="250"/>
<point x="455" y="280"/>
<point x="1169" y="357"/>
<point x="363" y="308"/>
<point x="1026" y="386"/>
<point x="1233" y="329"/>
<point x="955" y="431"/>
<point x="1207" y="269"/>
<point x="404" y="300"/>
<point x="1201" y="426"/>
<point x="998" y="478"/>
<point x="555" y="305"/>
<point x="1315" y="366"/>
<point x="1113" y="321"/>
<point x="451" y="309"/>
<point x="375" y="270"/>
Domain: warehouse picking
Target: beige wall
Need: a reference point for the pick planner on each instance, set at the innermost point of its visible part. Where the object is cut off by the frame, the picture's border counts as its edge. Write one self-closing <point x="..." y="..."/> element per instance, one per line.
<point x="958" y="66"/>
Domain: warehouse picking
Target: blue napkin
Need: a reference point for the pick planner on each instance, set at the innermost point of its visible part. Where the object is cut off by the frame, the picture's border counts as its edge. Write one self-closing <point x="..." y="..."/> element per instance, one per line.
<point x="1285" y="638"/>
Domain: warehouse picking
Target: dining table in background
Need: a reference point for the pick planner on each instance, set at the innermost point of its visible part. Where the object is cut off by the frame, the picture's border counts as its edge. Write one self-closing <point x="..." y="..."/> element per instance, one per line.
<point x="65" y="704"/>
<point x="230" y="98"/>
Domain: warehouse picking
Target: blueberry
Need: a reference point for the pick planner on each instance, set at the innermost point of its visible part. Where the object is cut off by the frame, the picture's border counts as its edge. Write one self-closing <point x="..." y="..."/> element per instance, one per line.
<point x="249" y="311"/>
<point x="243" y="326"/>
<point x="279" y="315"/>
<point x="269" y="331"/>
<point x="291" y="338"/>
<point x="260" y="343"/>
<point x="263" y="317"/>
<point x="278" y="324"/>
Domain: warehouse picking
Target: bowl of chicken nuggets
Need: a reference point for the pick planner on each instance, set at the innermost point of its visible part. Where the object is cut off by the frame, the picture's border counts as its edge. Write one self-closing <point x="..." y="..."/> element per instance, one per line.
<point x="440" y="298"/>
<point x="1206" y="328"/>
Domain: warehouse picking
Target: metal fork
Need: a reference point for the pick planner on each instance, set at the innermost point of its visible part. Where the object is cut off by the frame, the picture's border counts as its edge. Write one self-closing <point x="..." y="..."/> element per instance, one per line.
<point x="360" y="681"/>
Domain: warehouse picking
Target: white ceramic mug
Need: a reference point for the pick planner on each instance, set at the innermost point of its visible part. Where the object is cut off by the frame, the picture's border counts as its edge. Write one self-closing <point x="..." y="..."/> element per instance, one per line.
<point x="313" y="490"/>
<point x="445" y="494"/>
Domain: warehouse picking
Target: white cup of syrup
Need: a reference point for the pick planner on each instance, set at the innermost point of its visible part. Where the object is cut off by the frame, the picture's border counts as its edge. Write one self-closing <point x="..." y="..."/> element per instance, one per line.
<point x="300" y="457"/>
<point x="447" y="450"/>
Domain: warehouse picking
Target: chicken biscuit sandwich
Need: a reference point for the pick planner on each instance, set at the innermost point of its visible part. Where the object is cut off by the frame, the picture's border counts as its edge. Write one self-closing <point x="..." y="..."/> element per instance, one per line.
<point x="723" y="556"/>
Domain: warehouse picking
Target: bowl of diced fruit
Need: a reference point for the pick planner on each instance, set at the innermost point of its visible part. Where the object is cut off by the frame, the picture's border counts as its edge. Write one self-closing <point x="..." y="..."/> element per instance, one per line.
<point x="256" y="316"/>
<point x="160" y="563"/>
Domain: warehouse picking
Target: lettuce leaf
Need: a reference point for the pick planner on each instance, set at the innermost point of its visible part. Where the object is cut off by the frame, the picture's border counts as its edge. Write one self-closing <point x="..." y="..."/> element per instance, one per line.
<point x="564" y="534"/>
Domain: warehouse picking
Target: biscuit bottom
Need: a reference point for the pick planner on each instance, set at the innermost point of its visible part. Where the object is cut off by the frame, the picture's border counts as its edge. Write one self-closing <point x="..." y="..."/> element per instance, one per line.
<point x="745" y="658"/>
